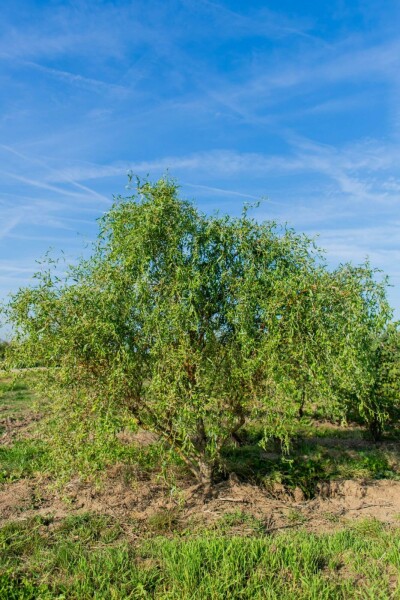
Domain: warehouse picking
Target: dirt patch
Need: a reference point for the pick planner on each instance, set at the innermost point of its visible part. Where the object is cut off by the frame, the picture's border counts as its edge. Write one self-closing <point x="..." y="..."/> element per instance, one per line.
<point x="359" y="500"/>
<point x="335" y="505"/>
<point x="17" y="428"/>
<point x="138" y="502"/>
<point x="142" y="438"/>
<point x="15" y="499"/>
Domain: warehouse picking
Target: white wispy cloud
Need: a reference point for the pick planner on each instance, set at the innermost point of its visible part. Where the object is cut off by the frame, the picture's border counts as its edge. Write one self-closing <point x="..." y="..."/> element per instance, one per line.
<point x="272" y="84"/>
<point x="349" y="168"/>
<point x="221" y="161"/>
<point x="261" y="22"/>
<point x="69" y="28"/>
<point x="220" y="191"/>
<point x="56" y="189"/>
<point x="48" y="168"/>
<point x="88" y="83"/>
<point x="8" y="225"/>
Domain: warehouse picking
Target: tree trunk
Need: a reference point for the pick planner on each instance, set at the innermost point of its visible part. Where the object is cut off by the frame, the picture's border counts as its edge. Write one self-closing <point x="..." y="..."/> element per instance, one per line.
<point x="302" y="403"/>
<point x="376" y="430"/>
<point x="206" y="471"/>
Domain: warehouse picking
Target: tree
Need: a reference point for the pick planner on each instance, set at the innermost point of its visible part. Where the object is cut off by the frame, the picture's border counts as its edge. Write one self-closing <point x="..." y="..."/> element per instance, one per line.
<point x="367" y="350"/>
<point x="3" y="349"/>
<point x="384" y="393"/>
<point x="328" y="340"/>
<point x="191" y="324"/>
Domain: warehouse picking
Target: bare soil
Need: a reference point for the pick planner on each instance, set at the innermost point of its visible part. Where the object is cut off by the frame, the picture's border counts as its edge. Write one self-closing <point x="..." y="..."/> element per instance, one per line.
<point x="14" y="428"/>
<point x="140" y="502"/>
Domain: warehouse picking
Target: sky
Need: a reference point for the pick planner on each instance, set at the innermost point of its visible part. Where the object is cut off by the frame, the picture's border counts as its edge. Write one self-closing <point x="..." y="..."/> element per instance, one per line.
<point x="297" y="103"/>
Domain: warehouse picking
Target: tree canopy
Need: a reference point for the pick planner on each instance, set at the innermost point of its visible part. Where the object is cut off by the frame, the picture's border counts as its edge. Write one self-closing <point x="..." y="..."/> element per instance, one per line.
<point x="193" y="324"/>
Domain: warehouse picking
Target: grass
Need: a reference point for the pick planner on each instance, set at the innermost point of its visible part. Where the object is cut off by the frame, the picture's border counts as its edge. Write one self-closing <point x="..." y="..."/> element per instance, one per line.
<point x="27" y="455"/>
<point x="90" y="557"/>
<point x="95" y="556"/>
<point x="16" y="398"/>
<point x="317" y="454"/>
<point x="23" y="459"/>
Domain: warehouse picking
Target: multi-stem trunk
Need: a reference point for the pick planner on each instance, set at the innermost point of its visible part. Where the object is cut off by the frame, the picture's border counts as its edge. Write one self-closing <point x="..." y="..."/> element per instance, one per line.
<point x="205" y="464"/>
<point x="206" y="473"/>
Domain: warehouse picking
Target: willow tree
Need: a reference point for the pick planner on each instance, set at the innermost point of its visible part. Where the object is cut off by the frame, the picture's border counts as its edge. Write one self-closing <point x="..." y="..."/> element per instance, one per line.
<point x="179" y="319"/>
<point x="330" y="340"/>
<point x="382" y="404"/>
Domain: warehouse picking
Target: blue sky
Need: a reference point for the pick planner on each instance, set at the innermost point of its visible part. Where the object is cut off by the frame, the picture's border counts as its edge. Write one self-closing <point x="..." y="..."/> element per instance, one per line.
<point x="296" y="102"/>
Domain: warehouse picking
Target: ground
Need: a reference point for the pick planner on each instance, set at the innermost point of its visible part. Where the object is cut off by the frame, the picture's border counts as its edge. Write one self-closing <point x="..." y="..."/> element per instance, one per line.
<point x="321" y="523"/>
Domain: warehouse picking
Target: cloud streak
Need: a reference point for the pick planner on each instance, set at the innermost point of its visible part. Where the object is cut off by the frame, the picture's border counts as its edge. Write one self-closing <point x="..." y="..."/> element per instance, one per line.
<point x="237" y="101"/>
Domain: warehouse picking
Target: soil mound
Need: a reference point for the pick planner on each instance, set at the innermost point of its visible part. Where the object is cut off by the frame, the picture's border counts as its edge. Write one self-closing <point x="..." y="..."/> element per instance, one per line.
<point x="140" y="501"/>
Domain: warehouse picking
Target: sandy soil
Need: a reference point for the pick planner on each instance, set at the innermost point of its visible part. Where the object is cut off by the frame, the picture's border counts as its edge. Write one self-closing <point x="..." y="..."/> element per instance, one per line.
<point x="136" y="502"/>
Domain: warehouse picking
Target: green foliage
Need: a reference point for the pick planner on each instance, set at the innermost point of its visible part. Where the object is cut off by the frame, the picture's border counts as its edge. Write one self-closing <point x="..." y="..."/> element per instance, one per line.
<point x="3" y="349"/>
<point x="359" y="314"/>
<point x="190" y="325"/>
<point x="316" y="455"/>
<point x="385" y="390"/>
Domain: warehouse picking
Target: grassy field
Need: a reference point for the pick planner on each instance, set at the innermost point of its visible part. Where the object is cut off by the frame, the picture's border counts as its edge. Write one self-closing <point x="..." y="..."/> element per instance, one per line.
<point x="87" y="557"/>
<point x="254" y="540"/>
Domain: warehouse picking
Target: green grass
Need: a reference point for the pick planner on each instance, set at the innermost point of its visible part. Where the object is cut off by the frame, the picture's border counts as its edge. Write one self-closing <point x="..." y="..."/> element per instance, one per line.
<point x="90" y="557"/>
<point x="25" y="456"/>
<point x="306" y="467"/>
<point x="23" y="459"/>
<point x="316" y="454"/>
<point x="16" y="398"/>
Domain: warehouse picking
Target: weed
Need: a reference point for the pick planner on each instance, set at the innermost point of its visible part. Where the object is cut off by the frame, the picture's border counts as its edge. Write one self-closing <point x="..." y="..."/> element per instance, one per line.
<point x="295" y="516"/>
<point x="331" y="517"/>
<point x="369" y="527"/>
<point x="163" y="521"/>
<point x="243" y="520"/>
<point x="88" y="528"/>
